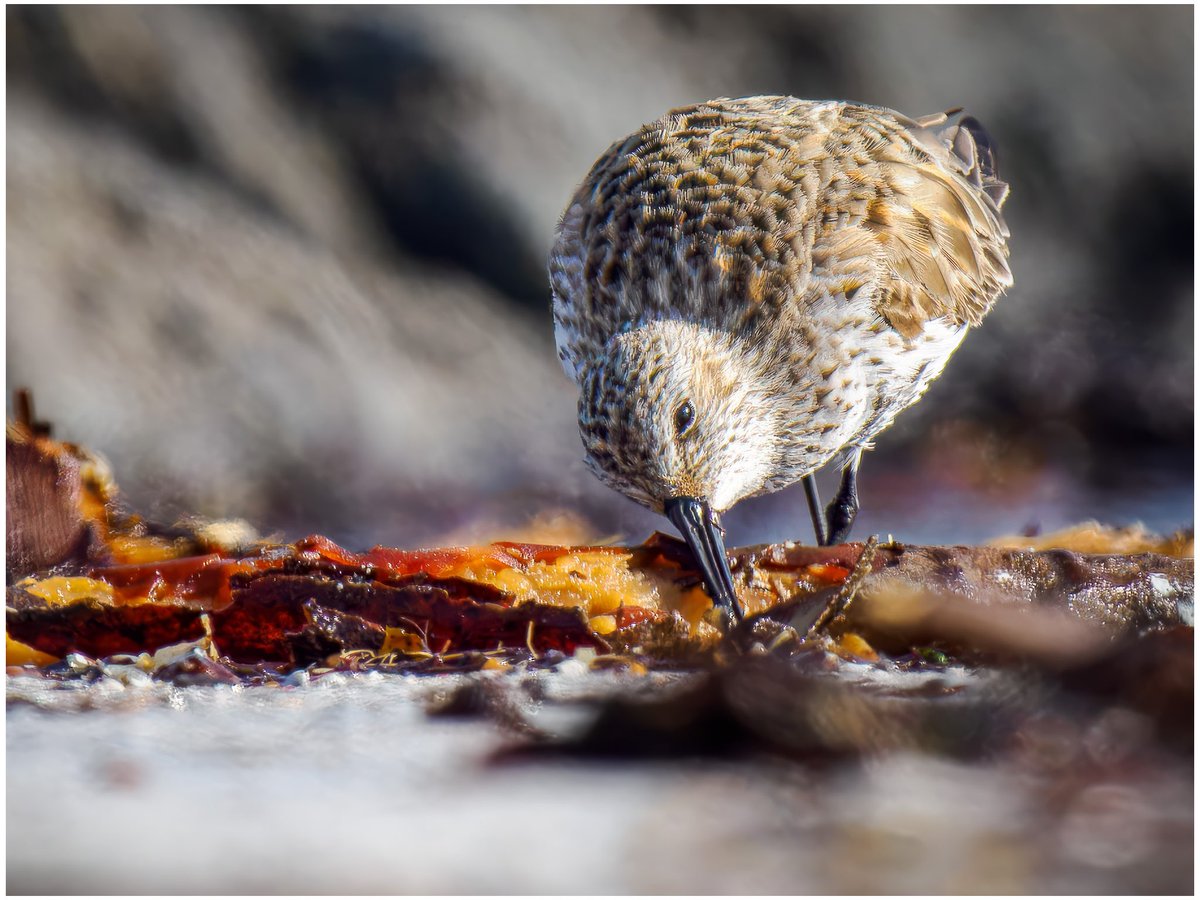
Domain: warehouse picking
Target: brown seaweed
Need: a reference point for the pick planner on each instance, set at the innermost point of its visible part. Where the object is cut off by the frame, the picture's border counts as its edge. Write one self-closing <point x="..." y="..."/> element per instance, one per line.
<point x="105" y="582"/>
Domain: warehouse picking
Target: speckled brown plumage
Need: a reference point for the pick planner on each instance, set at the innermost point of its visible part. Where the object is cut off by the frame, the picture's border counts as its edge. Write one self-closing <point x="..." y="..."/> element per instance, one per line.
<point x="797" y="272"/>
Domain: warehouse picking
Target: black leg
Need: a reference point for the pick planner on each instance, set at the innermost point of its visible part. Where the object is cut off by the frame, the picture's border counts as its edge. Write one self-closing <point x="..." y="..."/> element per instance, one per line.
<point x="839" y="515"/>
<point x="814" y="509"/>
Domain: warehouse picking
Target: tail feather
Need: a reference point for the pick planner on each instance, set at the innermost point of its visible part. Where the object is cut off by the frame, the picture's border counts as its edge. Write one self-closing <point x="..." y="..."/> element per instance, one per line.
<point x="976" y="150"/>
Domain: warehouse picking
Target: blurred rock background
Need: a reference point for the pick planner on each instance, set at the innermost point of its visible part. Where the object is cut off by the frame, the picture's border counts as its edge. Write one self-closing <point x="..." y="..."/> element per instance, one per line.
<point x="287" y="264"/>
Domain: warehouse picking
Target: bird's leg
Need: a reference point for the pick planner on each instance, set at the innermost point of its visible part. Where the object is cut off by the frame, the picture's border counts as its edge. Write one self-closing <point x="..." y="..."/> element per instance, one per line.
<point x="839" y="515"/>
<point x="814" y="509"/>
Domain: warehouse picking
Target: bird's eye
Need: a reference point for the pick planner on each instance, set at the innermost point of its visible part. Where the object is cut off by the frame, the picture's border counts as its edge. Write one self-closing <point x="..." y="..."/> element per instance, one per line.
<point x="685" y="417"/>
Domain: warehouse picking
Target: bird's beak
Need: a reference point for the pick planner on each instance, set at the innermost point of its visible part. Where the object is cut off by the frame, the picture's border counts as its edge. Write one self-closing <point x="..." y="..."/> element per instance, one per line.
<point x="701" y="529"/>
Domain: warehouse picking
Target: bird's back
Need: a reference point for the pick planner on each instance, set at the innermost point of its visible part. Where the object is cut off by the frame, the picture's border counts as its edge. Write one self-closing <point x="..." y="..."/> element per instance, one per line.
<point x="739" y="213"/>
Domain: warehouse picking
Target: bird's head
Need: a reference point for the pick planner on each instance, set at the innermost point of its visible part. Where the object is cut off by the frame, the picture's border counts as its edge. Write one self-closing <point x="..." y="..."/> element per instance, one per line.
<point x="675" y="416"/>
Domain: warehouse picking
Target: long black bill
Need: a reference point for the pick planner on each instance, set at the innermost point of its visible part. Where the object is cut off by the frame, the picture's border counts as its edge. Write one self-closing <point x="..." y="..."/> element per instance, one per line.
<point x="700" y="528"/>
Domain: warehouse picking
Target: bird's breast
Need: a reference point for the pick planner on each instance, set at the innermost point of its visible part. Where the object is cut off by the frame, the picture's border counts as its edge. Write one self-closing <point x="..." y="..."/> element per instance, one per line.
<point x="845" y="376"/>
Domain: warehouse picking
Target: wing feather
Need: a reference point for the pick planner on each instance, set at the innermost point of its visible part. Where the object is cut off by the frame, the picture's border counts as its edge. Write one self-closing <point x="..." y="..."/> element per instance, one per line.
<point x="939" y="247"/>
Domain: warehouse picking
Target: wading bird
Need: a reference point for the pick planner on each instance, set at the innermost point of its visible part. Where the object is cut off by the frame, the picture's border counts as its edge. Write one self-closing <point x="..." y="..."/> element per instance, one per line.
<point x="749" y="290"/>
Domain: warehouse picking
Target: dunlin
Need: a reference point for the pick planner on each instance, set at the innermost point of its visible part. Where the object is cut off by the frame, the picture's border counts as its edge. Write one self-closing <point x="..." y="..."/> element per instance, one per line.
<point x="749" y="290"/>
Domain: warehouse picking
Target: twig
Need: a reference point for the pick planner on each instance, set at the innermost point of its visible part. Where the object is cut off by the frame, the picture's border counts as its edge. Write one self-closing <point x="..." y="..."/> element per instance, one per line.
<point x="839" y="603"/>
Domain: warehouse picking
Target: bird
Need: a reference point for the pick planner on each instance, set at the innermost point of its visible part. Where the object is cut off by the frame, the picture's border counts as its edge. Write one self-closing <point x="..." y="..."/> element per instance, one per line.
<point x="747" y="291"/>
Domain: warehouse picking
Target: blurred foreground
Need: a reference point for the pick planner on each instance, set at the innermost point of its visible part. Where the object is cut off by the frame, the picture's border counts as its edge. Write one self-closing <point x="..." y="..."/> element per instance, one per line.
<point x="887" y="718"/>
<point x="348" y="786"/>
